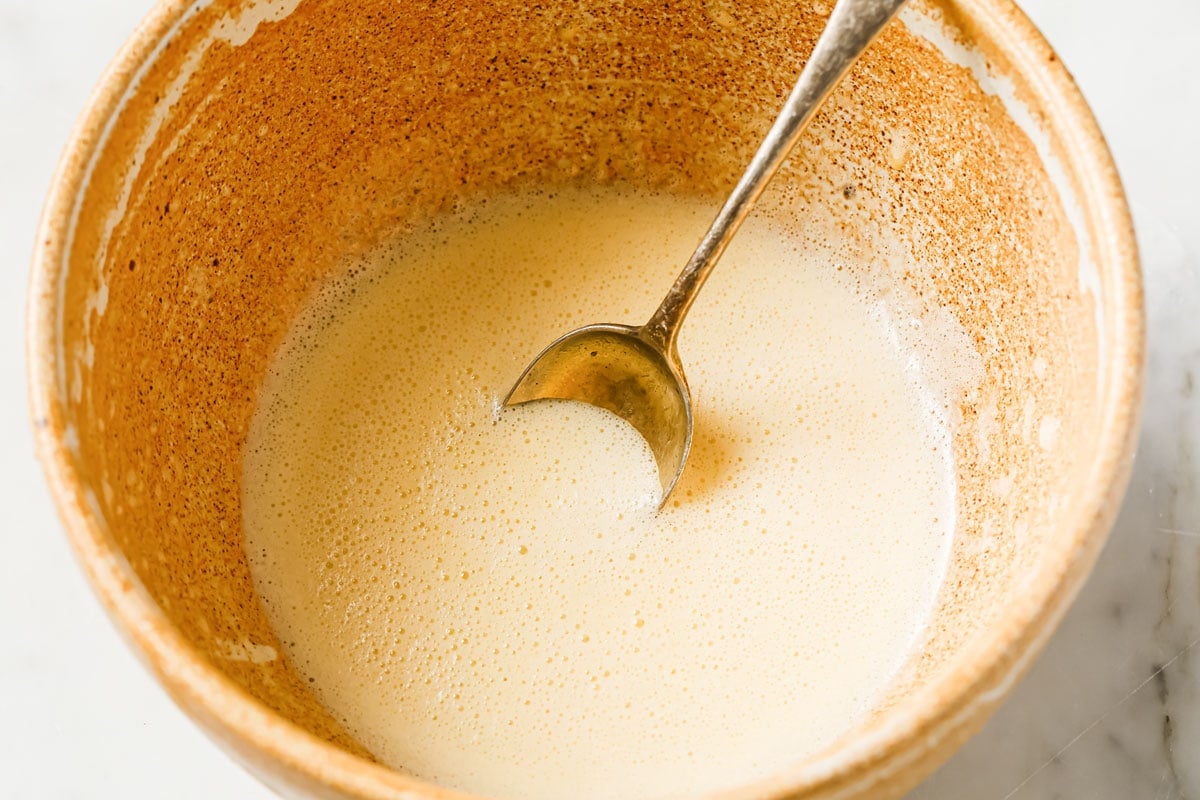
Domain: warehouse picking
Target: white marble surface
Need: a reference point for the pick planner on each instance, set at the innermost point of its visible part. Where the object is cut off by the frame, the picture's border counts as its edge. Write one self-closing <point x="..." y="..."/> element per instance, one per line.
<point x="1112" y="709"/>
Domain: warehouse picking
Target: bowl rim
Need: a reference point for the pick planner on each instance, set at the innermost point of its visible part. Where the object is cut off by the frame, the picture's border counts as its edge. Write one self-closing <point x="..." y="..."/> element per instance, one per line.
<point x="885" y="759"/>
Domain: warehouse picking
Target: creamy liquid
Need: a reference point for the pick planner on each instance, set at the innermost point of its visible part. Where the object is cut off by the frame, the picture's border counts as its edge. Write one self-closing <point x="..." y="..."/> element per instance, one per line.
<point x="491" y="600"/>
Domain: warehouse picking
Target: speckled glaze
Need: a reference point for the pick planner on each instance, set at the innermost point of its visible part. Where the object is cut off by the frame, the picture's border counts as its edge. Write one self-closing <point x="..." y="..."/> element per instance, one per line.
<point x="237" y="153"/>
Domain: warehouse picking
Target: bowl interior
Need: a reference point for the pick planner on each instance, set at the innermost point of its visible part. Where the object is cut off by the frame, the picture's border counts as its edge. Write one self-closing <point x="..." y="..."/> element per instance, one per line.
<point x="266" y="145"/>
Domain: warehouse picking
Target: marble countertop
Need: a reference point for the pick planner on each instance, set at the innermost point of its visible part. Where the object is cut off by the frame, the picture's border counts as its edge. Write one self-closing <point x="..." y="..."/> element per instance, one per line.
<point x="1111" y="710"/>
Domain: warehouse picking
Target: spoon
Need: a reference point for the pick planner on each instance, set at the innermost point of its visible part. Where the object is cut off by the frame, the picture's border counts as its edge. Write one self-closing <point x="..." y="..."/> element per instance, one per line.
<point x="635" y="372"/>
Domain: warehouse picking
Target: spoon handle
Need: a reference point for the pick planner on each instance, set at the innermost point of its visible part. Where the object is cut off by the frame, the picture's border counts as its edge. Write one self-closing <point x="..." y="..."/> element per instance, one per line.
<point x="851" y="28"/>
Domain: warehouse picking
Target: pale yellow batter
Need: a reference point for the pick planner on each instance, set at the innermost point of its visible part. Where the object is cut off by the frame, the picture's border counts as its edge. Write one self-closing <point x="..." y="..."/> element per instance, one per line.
<point x="491" y="601"/>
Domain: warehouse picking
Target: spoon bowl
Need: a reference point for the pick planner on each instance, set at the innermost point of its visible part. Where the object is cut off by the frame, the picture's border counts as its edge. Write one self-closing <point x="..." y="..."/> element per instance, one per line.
<point x="620" y="368"/>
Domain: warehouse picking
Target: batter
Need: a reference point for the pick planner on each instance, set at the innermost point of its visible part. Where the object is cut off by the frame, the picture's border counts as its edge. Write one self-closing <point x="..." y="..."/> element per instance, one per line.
<point x="491" y="600"/>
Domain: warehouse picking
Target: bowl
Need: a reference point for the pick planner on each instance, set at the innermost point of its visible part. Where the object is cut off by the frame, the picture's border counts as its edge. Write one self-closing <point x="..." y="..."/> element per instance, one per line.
<point x="236" y="153"/>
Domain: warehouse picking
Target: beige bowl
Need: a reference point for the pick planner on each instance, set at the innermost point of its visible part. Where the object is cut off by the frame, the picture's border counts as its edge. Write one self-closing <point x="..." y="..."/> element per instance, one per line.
<point x="237" y="152"/>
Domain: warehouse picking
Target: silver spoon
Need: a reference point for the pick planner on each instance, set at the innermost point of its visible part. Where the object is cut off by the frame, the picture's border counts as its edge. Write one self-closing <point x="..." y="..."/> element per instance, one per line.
<point x="636" y="372"/>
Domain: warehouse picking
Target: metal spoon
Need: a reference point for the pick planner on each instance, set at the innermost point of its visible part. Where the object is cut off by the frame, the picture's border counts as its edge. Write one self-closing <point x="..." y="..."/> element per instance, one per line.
<point x="636" y="372"/>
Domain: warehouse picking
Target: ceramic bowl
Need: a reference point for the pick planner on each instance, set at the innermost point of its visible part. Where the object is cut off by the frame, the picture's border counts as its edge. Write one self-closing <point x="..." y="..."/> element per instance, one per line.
<point x="237" y="152"/>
